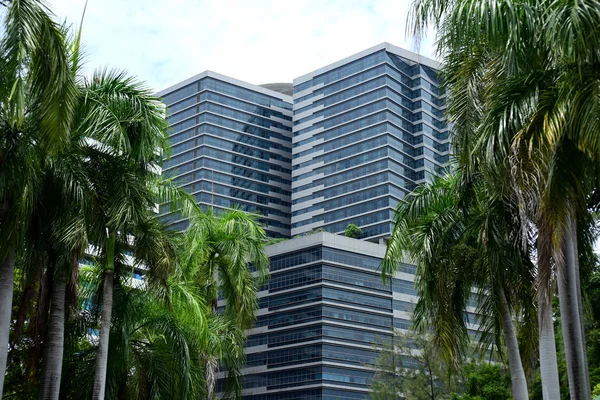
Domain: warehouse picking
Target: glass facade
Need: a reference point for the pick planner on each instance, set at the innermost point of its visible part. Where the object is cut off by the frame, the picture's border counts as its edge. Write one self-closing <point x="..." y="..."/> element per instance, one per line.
<point x="366" y="132"/>
<point x="231" y="148"/>
<point x="322" y="314"/>
<point x="354" y="139"/>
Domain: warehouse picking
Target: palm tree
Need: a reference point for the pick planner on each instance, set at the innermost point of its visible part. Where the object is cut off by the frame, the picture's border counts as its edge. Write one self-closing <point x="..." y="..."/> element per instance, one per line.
<point x="540" y="105"/>
<point x="126" y="127"/>
<point x="155" y="346"/>
<point x="36" y="96"/>
<point x="163" y="330"/>
<point x="66" y="191"/>
<point x="463" y="243"/>
<point x="216" y="251"/>
<point x="64" y="194"/>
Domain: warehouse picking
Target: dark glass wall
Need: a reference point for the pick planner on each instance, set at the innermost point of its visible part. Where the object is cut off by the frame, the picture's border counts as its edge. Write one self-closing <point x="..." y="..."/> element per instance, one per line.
<point x="231" y="148"/>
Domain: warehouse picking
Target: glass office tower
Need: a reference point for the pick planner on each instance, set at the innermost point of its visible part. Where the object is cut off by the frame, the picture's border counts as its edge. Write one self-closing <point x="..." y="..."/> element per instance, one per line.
<point x="231" y="147"/>
<point x="322" y="313"/>
<point x="367" y="129"/>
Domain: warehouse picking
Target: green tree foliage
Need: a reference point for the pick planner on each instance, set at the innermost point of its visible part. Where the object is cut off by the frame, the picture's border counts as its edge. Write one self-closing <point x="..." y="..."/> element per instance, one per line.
<point x="86" y="152"/>
<point x="465" y="241"/>
<point x="524" y="100"/>
<point x="596" y="392"/>
<point x="37" y="95"/>
<point x="353" y="231"/>
<point x="214" y="253"/>
<point x="410" y="367"/>
<point x="484" y="382"/>
<point x="592" y="288"/>
<point x="165" y="328"/>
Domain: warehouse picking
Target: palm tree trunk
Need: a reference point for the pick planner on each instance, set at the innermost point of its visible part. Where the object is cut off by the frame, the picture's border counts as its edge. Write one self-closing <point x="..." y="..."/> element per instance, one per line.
<point x="54" y="346"/>
<point x="548" y="363"/>
<point x="212" y="366"/>
<point x="517" y="373"/>
<point x="572" y="316"/>
<point x="107" y="304"/>
<point x="7" y="277"/>
<point x="579" y="299"/>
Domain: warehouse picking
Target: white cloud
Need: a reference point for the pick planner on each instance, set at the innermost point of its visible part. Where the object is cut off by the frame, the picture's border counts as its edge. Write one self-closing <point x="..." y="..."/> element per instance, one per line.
<point x="258" y="41"/>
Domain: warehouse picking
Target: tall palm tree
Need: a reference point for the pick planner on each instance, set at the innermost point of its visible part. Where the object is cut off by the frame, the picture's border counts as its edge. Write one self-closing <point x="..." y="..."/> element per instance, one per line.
<point x="155" y="346"/>
<point x="36" y="105"/>
<point x="64" y="192"/>
<point x="127" y="129"/>
<point x="163" y="330"/>
<point x="541" y="105"/>
<point x="460" y="243"/>
<point x="217" y="250"/>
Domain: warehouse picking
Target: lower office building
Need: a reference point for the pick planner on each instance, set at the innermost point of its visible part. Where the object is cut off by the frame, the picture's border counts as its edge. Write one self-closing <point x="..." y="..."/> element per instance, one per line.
<point x="322" y="314"/>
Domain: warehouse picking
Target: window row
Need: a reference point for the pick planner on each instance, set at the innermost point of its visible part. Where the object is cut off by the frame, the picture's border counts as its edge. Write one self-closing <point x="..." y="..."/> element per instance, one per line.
<point x="327" y="293"/>
<point x="390" y="89"/>
<point x="380" y="216"/>
<point x="209" y="198"/>
<point x="348" y="212"/>
<point x="178" y="162"/>
<point x="311" y="394"/>
<point x="225" y="168"/>
<point x="345" y="70"/>
<point x="236" y="193"/>
<point x="309" y="333"/>
<point x="363" y="158"/>
<point x="187" y="182"/>
<point x="346" y="201"/>
<point x="178" y="132"/>
<point x="372" y="180"/>
<point x="319" y="352"/>
<point x="402" y="84"/>
<point x="321" y="272"/>
<point x="223" y="87"/>
<point x="294" y="317"/>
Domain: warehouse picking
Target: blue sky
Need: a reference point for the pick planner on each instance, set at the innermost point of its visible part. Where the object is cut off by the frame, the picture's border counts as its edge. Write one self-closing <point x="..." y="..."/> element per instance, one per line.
<point x="258" y="41"/>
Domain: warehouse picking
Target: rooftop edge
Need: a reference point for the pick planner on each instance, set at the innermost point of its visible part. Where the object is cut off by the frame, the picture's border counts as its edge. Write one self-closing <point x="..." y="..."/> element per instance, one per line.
<point x="382" y="46"/>
<point x="228" y="79"/>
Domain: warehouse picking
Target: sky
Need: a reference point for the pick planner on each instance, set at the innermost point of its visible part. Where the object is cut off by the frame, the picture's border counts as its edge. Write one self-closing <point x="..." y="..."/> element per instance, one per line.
<point x="257" y="41"/>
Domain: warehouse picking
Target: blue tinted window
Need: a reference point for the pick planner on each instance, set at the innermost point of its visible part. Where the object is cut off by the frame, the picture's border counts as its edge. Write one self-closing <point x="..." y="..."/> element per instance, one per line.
<point x="326" y="293"/>
<point x="345" y="70"/>
<point x="189" y="181"/>
<point x="254" y="109"/>
<point x="319" y="273"/>
<point x="242" y="93"/>
<point x="181" y="93"/>
<point x="374" y="218"/>
<point x="402" y="286"/>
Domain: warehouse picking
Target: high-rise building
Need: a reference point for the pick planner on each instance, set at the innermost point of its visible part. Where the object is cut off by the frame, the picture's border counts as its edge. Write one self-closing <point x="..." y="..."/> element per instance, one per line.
<point x="231" y="147"/>
<point x="322" y="314"/>
<point x="367" y="129"/>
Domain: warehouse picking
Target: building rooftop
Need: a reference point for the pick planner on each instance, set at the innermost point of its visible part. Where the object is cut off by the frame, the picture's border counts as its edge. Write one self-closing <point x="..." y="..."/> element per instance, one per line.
<point x="266" y="89"/>
<point x="382" y="46"/>
<point x="284" y="87"/>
